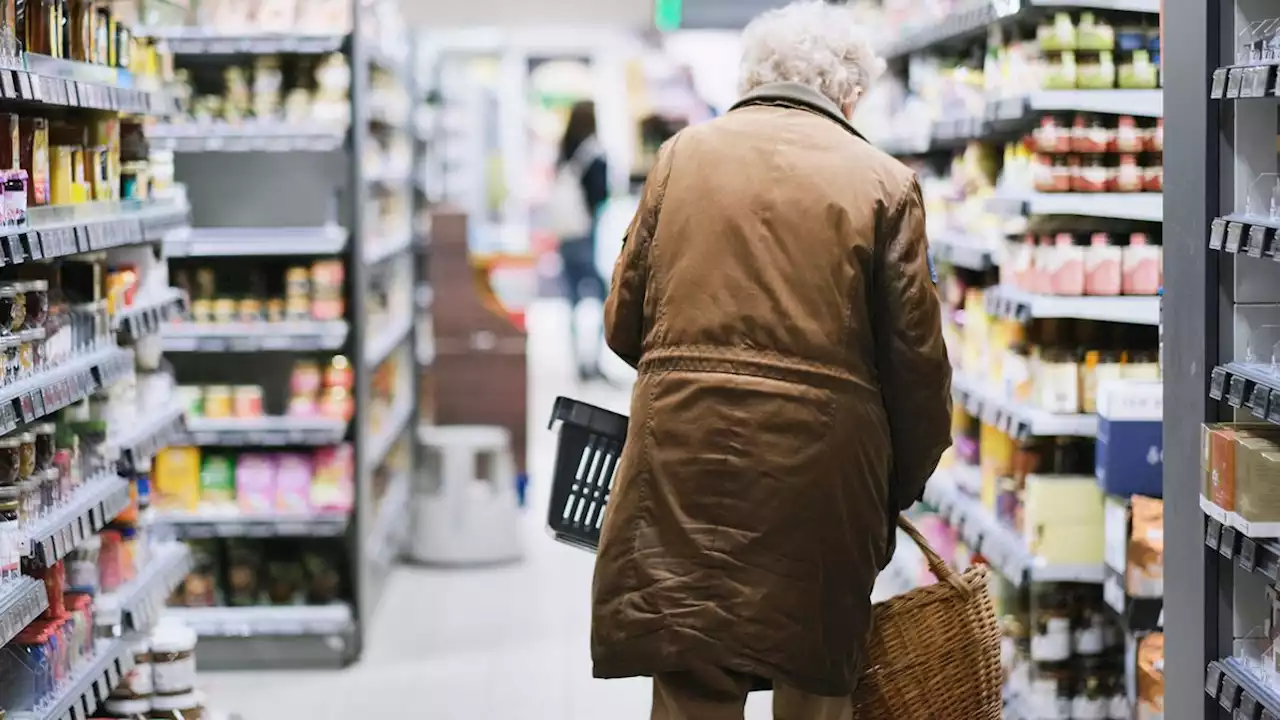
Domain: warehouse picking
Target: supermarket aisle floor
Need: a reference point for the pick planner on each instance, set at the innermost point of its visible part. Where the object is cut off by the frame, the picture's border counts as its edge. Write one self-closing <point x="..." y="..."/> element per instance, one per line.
<point x="492" y="644"/>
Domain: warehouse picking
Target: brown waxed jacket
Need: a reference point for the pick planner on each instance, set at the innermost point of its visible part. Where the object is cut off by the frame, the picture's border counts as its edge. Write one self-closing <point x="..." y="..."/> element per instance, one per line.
<point x="793" y="396"/>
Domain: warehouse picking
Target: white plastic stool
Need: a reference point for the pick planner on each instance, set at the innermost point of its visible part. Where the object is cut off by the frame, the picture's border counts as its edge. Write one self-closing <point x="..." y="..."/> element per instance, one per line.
<point x="460" y="518"/>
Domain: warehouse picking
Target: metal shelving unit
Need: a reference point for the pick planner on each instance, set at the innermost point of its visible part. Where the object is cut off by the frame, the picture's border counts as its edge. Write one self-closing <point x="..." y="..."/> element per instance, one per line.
<point x="1220" y="301"/>
<point x="308" y="194"/>
<point x="978" y="258"/>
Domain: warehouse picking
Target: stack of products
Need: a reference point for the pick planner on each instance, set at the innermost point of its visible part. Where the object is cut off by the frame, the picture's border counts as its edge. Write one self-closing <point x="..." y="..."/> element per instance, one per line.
<point x="162" y="684"/>
<point x="40" y="471"/>
<point x="313" y="392"/>
<point x="1098" y="263"/>
<point x="89" y="31"/>
<point x="1241" y="464"/>
<point x="314" y="292"/>
<point x="1092" y="154"/>
<point x="299" y="89"/>
<point x="244" y="572"/>
<point x="1056" y="365"/>
<point x="301" y="16"/>
<point x="1066" y="648"/>
<point x="1088" y="50"/>
<point x="187" y="479"/>
<point x="48" y="653"/>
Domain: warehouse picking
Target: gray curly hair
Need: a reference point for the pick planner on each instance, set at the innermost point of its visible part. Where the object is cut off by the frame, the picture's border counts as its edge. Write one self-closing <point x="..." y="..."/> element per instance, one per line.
<point x="811" y="43"/>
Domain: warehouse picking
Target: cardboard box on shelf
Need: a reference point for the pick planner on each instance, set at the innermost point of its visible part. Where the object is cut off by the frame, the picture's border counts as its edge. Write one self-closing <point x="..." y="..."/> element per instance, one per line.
<point x="1130" y="452"/>
<point x="1064" y="519"/>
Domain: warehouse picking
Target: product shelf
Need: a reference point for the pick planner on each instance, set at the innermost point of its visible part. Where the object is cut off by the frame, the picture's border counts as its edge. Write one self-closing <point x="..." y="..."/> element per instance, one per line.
<point x="1246" y="235"/>
<point x="1018" y="419"/>
<point x="1003" y="547"/>
<point x="55" y="231"/>
<point x="204" y="525"/>
<point x="143" y="599"/>
<point x="269" y="431"/>
<point x="257" y="621"/>
<point x="238" y="242"/>
<point x="1016" y="304"/>
<point x="388" y="432"/>
<point x="21" y="601"/>
<point x="205" y="41"/>
<point x="288" y="336"/>
<point x="93" y="682"/>
<point x="158" y="430"/>
<point x="1146" y="207"/>
<point x="48" y="81"/>
<point x="255" y="136"/>
<point x="95" y="504"/>
<point x="147" y="315"/>
<point x="1240" y="692"/>
<point x="963" y="251"/>
<point x="379" y="346"/>
<point x="972" y="21"/>
<point x="1256" y="555"/>
<point x="51" y="390"/>
<point x="1014" y="115"/>
<point x="1246" y="385"/>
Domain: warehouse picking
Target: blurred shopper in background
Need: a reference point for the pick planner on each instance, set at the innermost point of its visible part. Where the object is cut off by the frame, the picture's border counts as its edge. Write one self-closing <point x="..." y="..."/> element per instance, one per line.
<point x="580" y="191"/>
<point x="793" y="390"/>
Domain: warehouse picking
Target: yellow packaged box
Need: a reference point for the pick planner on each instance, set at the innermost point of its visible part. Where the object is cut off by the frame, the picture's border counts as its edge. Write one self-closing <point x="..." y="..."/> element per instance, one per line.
<point x="175" y="479"/>
<point x="1257" y="500"/>
<point x="1064" y="518"/>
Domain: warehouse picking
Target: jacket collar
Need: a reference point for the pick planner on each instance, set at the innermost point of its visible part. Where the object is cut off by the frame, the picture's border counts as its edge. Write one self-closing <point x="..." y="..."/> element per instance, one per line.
<point x="790" y="94"/>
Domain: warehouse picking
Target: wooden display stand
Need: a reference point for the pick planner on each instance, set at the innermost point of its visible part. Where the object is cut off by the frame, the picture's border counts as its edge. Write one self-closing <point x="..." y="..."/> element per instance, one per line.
<point x="480" y="372"/>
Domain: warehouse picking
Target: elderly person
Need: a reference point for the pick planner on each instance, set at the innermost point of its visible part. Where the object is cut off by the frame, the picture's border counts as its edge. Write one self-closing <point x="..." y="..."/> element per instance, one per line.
<point x="793" y="396"/>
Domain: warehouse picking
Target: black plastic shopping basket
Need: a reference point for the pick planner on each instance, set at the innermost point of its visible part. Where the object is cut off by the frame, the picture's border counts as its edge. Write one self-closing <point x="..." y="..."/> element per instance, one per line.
<point x="586" y="460"/>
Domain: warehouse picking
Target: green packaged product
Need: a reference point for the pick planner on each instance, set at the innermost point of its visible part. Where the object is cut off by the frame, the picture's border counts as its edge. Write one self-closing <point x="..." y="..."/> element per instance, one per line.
<point x="217" y="481"/>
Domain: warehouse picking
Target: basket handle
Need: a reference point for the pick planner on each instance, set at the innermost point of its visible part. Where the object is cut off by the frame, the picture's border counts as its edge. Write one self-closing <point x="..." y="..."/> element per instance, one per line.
<point x="939" y="567"/>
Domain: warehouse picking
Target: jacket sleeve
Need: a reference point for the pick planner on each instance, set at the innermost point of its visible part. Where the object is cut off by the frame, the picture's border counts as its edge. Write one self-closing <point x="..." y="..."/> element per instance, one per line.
<point x="915" y="375"/>
<point x="624" y="308"/>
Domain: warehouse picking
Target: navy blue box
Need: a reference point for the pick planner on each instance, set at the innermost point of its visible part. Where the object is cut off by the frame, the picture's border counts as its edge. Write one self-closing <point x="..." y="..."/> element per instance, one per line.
<point x="1130" y="450"/>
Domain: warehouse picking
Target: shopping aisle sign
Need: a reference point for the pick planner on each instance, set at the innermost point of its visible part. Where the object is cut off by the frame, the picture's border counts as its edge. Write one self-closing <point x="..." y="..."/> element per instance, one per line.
<point x="667" y="14"/>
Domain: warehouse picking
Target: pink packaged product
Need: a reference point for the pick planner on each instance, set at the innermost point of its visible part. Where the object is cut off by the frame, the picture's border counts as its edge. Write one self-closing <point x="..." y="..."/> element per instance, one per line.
<point x="332" y="484"/>
<point x="255" y="483"/>
<point x="1041" y="265"/>
<point x="1066" y="274"/>
<point x="293" y="483"/>
<point x="1142" y="266"/>
<point x="1102" y="266"/>
<point x="14" y="198"/>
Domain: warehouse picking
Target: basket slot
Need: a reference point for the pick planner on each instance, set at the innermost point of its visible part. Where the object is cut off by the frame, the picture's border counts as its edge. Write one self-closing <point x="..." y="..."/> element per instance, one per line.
<point x="600" y="481"/>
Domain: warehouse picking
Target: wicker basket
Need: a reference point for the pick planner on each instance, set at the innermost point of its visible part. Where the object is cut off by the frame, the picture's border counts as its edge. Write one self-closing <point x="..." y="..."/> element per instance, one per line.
<point x="934" y="652"/>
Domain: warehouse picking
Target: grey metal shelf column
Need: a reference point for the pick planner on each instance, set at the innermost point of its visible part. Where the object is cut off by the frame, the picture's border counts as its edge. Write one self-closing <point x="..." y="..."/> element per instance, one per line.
<point x="1191" y="591"/>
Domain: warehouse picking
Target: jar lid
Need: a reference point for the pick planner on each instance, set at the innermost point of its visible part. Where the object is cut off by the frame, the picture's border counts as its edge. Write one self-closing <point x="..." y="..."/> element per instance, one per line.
<point x="8" y="290"/>
<point x="172" y="637"/>
<point x="128" y="706"/>
<point x="10" y="442"/>
<point x="141" y="647"/>
<point x="32" y="285"/>
<point x="26" y="438"/>
<point x="182" y="701"/>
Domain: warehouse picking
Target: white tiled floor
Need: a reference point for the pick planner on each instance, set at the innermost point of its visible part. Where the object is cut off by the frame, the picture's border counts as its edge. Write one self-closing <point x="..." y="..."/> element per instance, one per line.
<point x="492" y="644"/>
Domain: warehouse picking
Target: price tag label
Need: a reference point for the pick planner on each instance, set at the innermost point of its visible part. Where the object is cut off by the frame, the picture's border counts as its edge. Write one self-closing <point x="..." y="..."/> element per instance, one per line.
<point x="1235" y="78"/>
<point x="1248" y="709"/>
<point x="1218" y="87"/>
<point x="1257" y="240"/>
<point x="1258" y="401"/>
<point x="1235" y="231"/>
<point x="1227" y="698"/>
<point x="16" y="252"/>
<point x="1227" y="543"/>
<point x="1217" y="231"/>
<point x="1113" y="594"/>
<point x="1236" y="390"/>
<point x="1212" y="533"/>
<point x="8" y="87"/>
<point x="1248" y="553"/>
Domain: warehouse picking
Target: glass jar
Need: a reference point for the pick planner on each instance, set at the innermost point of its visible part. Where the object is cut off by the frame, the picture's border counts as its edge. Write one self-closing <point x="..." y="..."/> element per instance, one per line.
<point x="10" y="460"/>
<point x="46" y="445"/>
<point x="1051" y="627"/>
<point x="173" y="661"/>
<point x="26" y="455"/>
<point x="82" y="566"/>
<point x="10" y="532"/>
<point x="128" y="708"/>
<point x="1058" y="381"/>
<point x="35" y="295"/>
<point x="137" y="683"/>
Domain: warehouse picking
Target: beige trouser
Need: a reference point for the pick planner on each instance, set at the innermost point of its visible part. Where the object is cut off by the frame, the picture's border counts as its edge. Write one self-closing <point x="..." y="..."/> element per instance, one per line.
<point x="721" y="695"/>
